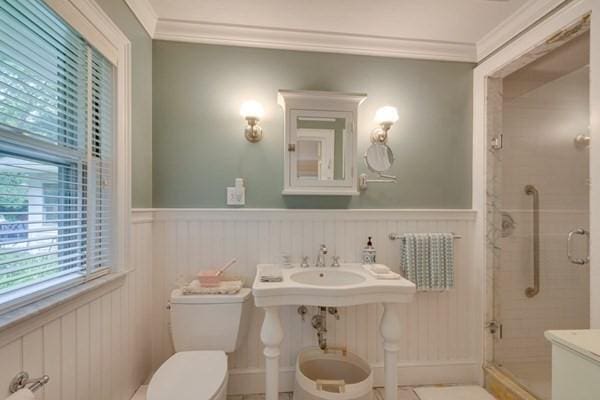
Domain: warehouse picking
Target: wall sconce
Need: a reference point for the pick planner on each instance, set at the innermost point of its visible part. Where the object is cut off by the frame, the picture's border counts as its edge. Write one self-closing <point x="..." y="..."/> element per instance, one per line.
<point x="385" y="117"/>
<point x="252" y="111"/>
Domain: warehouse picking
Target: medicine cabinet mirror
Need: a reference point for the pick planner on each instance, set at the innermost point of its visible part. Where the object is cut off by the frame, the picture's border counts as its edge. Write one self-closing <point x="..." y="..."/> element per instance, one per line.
<point x="320" y="142"/>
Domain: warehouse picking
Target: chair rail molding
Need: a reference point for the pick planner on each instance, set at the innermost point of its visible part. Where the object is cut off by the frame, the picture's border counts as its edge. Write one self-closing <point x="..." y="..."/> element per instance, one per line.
<point x="244" y="214"/>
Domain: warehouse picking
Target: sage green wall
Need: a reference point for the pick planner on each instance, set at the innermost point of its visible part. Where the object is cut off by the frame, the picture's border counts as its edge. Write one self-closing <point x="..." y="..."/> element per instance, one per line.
<point x="141" y="140"/>
<point x="199" y="145"/>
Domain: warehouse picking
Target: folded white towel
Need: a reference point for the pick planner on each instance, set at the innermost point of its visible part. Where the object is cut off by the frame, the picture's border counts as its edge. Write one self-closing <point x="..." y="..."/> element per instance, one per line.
<point x="271" y="274"/>
<point x="226" y="287"/>
<point x="380" y="271"/>
<point x="23" y="394"/>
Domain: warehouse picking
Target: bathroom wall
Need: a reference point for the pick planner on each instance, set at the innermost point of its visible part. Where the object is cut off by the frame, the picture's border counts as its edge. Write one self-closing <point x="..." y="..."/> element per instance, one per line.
<point x="441" y="331"/>
<point x="199" y="147"/>
<point x="539" y="126"/>
<point x="93" y="347"/>
<point x="141" y="107"/>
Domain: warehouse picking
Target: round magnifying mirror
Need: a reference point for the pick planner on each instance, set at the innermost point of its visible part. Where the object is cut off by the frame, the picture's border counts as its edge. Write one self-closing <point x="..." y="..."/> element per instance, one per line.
<point x="379" y="157"/>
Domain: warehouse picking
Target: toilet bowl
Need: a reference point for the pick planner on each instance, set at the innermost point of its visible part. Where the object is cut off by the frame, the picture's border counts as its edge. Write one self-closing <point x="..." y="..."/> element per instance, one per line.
<point x="204" y="328"/>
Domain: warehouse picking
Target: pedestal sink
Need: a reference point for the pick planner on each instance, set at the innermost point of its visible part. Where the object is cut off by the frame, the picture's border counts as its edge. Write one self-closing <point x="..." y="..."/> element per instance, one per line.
<point x="347" y="285"/>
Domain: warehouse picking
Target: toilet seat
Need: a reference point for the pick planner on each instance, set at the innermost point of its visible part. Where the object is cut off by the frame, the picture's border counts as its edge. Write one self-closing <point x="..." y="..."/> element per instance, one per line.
<point x="190" y="375"/>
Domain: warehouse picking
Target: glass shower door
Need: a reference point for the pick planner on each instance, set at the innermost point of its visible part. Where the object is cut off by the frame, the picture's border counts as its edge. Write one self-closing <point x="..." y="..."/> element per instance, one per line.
<point x="541" y="274"/>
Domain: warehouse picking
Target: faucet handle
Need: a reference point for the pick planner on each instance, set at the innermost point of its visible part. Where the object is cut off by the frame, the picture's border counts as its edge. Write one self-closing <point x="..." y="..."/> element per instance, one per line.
<point x="324" y="249"/>
<point x="304" y="263"/>
<point x="335" y="261"/>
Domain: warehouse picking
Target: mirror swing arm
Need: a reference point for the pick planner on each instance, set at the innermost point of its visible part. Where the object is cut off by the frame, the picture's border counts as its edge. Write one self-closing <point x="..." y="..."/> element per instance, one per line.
<point x="363" y="180"/>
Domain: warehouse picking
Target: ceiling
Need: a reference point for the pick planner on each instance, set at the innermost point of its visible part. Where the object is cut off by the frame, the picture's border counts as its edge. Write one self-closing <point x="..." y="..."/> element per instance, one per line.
<point x="435" y="29"/>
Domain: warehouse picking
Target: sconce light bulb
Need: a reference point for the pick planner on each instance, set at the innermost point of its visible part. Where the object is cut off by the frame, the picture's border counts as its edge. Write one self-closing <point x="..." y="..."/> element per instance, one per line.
<point x="387" y="115"/>
<point x="252" y="110"/>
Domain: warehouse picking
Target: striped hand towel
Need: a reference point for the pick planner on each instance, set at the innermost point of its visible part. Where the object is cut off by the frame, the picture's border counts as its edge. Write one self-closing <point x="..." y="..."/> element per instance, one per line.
<point x="428" y="260"/>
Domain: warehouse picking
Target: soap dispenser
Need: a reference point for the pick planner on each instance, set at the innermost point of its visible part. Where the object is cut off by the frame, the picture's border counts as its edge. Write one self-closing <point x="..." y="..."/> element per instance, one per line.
<point x="369" y="253"/>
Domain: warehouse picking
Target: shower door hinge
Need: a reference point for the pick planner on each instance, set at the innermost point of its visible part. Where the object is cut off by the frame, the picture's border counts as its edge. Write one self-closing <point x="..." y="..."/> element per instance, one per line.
<point x="495" y="328"/>
<point x="497" y="142"/>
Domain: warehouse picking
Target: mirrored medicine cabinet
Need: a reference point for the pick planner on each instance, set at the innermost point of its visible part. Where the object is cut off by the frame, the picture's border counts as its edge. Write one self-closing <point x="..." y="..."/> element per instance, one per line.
<point x="320" y="142"/>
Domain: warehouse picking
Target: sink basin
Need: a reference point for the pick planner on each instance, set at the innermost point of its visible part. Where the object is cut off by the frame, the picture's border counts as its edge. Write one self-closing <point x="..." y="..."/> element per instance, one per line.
<point x="347" y="285"/>
<point x="327" y="278"/>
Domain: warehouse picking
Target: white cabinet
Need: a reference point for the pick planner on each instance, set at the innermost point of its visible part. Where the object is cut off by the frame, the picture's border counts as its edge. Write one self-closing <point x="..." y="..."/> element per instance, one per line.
<point x="320" y="142"/>
<point x="575" y="364"/>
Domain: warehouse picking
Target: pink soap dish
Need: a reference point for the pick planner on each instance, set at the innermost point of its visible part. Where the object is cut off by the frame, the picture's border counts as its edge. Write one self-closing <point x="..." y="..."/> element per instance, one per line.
<point x="210" y="278"/>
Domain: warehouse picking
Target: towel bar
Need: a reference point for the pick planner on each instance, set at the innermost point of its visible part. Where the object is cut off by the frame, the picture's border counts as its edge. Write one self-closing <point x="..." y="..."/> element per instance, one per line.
<point x="396" y="236"/>
<point x="22" y="379"/>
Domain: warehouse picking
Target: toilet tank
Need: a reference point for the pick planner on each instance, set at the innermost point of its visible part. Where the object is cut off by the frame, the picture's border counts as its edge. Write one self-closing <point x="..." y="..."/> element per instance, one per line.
<point x="209" y="322"/>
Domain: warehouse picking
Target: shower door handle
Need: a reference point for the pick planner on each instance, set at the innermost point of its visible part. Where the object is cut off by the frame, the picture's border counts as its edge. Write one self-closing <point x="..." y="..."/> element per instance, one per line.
<point x="574" y="260"/>
<point x="532" y="291"/>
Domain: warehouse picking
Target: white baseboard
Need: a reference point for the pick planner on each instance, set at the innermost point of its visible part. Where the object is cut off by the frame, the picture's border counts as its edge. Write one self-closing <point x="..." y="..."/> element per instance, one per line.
<point x="250" y="381"/>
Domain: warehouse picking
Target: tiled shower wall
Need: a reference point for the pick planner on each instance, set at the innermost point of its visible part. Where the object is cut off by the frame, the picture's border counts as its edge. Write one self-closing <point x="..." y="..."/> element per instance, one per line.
<point x="441" y="334"/>
<point x="539" y="128"/>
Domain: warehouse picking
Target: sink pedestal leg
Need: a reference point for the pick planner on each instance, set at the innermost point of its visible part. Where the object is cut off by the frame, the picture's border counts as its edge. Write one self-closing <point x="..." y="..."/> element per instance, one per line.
<point x="390" y="330"/>
<point x="271" y="334"/>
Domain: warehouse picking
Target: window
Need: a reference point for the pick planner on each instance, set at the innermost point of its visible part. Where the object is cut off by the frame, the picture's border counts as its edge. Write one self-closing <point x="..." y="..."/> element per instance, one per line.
<point x="56" y="138"/>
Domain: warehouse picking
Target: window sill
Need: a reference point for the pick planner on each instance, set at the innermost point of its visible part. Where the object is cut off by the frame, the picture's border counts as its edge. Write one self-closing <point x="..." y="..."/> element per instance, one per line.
<point x="59" y="303"/>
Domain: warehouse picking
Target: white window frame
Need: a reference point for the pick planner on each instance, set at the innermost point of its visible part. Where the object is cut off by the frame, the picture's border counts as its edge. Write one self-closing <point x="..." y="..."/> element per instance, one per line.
<point x="86" y="17"/>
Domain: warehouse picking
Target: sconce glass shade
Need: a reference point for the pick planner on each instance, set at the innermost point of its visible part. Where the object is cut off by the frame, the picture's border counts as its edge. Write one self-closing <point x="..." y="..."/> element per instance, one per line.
<point x="386" y="115"/>
<point x="252" y="109"/>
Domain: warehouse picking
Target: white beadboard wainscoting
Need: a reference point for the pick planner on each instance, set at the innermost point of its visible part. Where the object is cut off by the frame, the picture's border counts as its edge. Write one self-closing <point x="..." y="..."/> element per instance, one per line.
<point x="442" y="331"/>
<point x="95" y="346"/>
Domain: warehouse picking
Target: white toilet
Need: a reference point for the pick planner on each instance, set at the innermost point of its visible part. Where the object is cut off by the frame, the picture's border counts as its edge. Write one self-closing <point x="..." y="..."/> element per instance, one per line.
<point x="204" y="328"/>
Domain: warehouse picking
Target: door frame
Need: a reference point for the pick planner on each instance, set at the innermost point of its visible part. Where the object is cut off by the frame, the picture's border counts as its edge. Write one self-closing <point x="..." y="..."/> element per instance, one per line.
<point x="523" y="44"/>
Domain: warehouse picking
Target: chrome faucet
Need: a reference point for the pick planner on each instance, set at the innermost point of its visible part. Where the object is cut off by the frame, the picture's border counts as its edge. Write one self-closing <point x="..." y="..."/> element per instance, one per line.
<point x="321" y="257"/>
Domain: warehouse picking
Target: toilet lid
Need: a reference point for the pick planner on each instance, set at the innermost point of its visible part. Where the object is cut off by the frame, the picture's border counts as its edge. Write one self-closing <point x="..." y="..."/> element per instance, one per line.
<point x="189" y="375"/>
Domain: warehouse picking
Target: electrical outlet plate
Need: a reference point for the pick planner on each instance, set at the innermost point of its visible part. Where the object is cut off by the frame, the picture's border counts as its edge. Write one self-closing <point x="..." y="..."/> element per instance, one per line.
<point x="235" y="197"/>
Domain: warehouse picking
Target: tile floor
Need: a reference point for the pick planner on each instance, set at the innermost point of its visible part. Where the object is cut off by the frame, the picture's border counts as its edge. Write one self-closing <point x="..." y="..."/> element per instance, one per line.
<point x="407" y="393"/>
<point x="453" y="393"/>
<point x="404" y="393"/>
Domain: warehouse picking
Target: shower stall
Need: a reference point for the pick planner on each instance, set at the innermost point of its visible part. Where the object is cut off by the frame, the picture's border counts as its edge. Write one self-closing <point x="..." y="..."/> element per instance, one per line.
<point x="538" y="113"/>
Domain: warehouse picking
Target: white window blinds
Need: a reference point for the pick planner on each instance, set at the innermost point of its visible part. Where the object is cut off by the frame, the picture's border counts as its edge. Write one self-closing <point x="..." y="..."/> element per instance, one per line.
<point x="56" y="137"/>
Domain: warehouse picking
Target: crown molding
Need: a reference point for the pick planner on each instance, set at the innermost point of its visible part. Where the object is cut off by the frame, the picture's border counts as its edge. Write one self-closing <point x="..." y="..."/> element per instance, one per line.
<point x="291" y="39"/>
<point x="144" y="12"/>
<point x="516" y="23"/>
